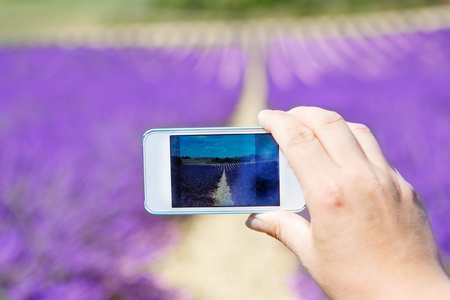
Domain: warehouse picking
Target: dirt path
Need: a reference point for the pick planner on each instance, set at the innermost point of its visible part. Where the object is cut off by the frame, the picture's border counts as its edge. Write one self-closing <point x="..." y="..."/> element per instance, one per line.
<point x="222" y="196"/>
<point x="218" y="257"/>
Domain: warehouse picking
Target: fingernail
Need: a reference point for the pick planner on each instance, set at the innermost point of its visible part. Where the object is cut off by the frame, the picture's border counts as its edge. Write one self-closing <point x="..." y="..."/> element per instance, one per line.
<point x="254" y="224"/>
<point x="263" y="113"/>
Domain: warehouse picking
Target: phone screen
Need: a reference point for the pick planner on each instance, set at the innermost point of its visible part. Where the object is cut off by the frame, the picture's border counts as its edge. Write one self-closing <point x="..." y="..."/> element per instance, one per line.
<point x="224" y="170"/>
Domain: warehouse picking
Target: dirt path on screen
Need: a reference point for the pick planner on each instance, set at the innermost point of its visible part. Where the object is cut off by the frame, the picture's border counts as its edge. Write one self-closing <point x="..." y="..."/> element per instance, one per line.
<point x="222" y="196"/>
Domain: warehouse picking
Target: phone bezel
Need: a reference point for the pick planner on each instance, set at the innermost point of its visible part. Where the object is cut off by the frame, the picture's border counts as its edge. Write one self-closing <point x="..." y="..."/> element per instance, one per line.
<point x="157" y="185"/>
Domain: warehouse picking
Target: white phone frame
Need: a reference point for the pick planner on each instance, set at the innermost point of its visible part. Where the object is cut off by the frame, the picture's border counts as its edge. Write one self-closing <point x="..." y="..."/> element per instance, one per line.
<point x="157" y="177"/>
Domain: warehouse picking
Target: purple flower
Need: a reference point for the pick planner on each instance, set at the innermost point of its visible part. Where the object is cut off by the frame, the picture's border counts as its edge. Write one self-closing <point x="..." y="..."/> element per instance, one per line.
<point x="398" y="85"/>
<point x="305" y="287"/>
<point x="72" y="221"/>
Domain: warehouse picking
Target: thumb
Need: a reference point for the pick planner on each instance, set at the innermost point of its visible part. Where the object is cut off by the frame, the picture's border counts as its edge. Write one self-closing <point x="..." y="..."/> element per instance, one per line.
<point x="289" y="228"/>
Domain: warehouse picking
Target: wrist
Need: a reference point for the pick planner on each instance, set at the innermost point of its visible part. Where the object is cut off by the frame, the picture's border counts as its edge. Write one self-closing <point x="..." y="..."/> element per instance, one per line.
<point x="419" y="285"/>
<point x="412" y="284"/>
<point x="437" y="287"/>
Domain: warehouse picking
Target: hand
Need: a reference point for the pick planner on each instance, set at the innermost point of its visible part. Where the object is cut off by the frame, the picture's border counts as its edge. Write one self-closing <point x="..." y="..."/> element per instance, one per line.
<point x="369" y="236"/>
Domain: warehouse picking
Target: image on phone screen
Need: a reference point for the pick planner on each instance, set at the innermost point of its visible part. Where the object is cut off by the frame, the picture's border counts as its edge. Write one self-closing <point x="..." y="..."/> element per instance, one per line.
<point x="224" y="170"/>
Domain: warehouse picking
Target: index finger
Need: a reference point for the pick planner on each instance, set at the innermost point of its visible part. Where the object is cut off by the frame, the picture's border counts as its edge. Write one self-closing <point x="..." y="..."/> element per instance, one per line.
<point x="334" y="134"/>
<point x="304" y="152"/>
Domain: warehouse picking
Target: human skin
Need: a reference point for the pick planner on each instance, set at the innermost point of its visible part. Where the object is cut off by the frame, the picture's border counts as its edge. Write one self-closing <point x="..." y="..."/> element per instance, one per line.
<point x="369" y="236"/>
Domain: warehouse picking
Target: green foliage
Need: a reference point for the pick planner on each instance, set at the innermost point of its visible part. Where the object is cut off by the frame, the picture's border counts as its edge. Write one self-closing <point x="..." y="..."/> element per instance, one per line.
<point x="292" y="6"/>
<point x="29" y="13"/>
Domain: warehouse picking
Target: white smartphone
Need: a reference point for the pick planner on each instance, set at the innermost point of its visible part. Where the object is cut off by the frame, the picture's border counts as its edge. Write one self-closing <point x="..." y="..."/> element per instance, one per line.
<point x="217" y="170"/>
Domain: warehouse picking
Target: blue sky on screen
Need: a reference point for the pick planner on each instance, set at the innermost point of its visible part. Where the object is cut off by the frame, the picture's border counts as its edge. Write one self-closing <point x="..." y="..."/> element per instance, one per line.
<point x="217" y="145"/>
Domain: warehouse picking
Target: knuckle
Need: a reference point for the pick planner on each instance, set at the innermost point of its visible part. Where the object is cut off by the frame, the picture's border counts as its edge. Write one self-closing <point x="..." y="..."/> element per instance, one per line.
<point x="360" y="128"/>
<point x="376" y="184"/>
<point x="330" y="118"/>
<point x="278" y="232"/>
<point x="299" y="137"/>
<point x="371" y="180"/>
<point x="403" y="189"/>
<point x="333" y="194"/>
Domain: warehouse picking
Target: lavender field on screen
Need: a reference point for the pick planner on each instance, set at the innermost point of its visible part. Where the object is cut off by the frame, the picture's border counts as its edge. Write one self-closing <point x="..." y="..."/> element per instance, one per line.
<point x="398" y="85"/>
<point x="72" y="222"/>
<point x="196" y="185"/>
<point x="250" y="184"/>
<point x="260" y="190"/>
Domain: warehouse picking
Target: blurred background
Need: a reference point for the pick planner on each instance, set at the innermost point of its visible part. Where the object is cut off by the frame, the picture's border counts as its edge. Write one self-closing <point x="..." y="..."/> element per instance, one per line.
<point x="81" y="81"/>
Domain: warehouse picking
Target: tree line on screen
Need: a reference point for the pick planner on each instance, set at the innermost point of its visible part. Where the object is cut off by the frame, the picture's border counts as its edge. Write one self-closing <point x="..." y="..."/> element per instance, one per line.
<point x="223" y="160"/>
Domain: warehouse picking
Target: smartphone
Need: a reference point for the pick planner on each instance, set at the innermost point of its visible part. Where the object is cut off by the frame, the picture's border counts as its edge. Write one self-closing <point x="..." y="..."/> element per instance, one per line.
<point x="217" y="170"/>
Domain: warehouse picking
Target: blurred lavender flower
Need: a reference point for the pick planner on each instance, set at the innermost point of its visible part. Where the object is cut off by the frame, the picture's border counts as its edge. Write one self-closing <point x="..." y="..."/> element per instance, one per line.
<point x="72" y="221"/>
<point x="398" y="85"/>
<point x="306" y="287"/>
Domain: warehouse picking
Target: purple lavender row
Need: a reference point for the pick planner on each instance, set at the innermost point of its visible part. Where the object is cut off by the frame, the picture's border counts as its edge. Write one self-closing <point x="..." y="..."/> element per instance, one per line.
<point x="72" y="222"/>
<point x="398" y="85"/>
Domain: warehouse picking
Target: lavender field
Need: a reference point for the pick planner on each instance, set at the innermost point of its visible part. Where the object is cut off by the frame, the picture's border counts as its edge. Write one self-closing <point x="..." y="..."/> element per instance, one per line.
<point x="72" y="223"/>
<point x="398" y="85"/>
